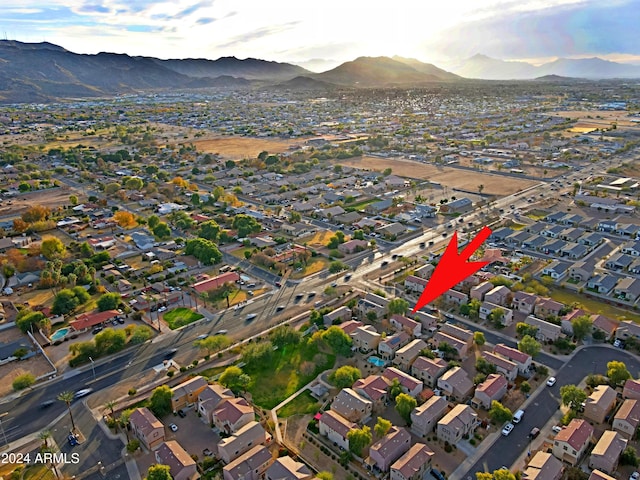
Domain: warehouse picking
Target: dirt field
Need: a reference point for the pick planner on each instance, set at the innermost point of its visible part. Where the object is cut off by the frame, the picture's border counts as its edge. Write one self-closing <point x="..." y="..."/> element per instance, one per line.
<point x="241" y="147"/>
<point x="51" y="198"/>
<point x="590" y="120"/>
<point x="447" y="176"/>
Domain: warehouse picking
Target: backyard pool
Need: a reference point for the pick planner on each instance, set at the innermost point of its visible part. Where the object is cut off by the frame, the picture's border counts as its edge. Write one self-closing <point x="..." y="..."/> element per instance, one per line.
<point x="378" y="362"/>
<point x="60" y="334"/>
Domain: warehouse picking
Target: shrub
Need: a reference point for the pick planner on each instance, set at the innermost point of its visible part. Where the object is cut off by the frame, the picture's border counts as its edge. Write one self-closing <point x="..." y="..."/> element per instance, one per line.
<point x="170" y="373"/>
<point x="132" y="392"/>
<point x="23" y="381"/>
<point x="133" y="445"/>
<point x="448" y="448"/>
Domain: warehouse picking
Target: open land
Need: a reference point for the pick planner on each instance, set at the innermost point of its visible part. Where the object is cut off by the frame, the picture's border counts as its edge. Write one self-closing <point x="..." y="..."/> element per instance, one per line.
<point x="241" y="147"/>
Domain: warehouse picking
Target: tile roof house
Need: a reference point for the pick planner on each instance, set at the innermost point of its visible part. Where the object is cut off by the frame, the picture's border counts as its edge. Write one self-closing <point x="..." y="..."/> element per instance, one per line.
<point x="407" y="354"/>
<point x="413" y="464"/>
<point x="503" y="366"/>
<point x="599" y="403"/>
<point x="146" y="428"/>
<point x="478" y="292"/>
<point x="498" y="295"/>
<point x="521" y="359"/>
<point x="598" y="475"/>
<point x="463" y="334"/>
<point x="461" y="347"/>
<point x="543" y="466"/>
<point x="425" y="417"/>
<point x="384" y="452"/>
<point x="606" y="453"/>
<point x="210" y="398"/>
<point x="409" y="385"/>
<point x="627" y="419"/>
<point x="250" y="465"/>
<point x="243" y="440"/>
<point x="627" y="329"/>
<point x="456" y="384"/>
<point x="352" y="406"/>
<point x="566" y="322"/>
<point x="415" y="284"/>
<point x="428" y="321"/>
<point x="493" y="388"/>
<point x="335" y="428"/>
<point x="487" y="307"/>
<point x="366" y="338"/>
<point x="428" y="370"/>
<point x="546" y="330"/>
<point x="571" y="442"/>
<point x="547" y="307"/>
<point x="460" y="421"/>
<point x="181" y="465"/>
<point x="187" y="392"/>
<point x="456" y="297"/>
<point x="631" y="389"/>
<point x="406" y="324"/>
<point x="286" y="468"/>
<point x="350" y="326"/>
<point x="339" y="314"/>
<point x="374" y="388"/>
<point x="232" y="414"/>
<point x="388" y="347"/>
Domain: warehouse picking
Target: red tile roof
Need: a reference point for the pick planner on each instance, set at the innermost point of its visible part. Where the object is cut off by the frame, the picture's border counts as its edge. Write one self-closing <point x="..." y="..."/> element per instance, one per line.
<point x="215" y="282"/>
<point x="88" y="320"/>
<point x="577" y="433"/>
<point x="511" y="353"/>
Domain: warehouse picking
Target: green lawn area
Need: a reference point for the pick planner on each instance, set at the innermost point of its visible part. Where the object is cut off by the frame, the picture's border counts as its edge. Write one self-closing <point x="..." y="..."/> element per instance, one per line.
<point x="363" y="203"/>
<point x="315" y="265"/>
<point x="212" y="372"/>
<point x="290" y="369"/>
<point x="181" y="316"/>
<point x="38" y="472"/>
<point x="303" y="403"/>
<point x="592" y="305"/>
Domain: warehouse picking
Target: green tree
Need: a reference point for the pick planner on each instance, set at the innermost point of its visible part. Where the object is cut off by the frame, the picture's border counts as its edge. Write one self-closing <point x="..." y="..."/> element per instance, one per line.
<point x="108" y="301"/>
<point x="581" y="326"/>
<point x="231" y="377"/>
<point x="324" y="475"/>
<point x="73" y="200"/>
<point x="629" y="457"/>
<point x="483" y="366"/>
<point x="134" y="183"/>
<point x="405" y="405"/>
<point x="337" y="266"/>
<point x="617" y="373"/>
<point x="382" y="426"/>
<point x="153" y="221"/>
<point x="64" y="302"/>
<point x="398" y="306"/>
<point x="358" y="235"/>
<point x="140" y="334"/>
<point x="338" y="340"/>
<point x="529" y="345"/>
<point x="245" y="225"/>
<point x="572" y="396"/>
<point x="204" y="250"/>
<point x="23" y="381"/>
<point x="52" y="247"/>
<point x="525" y="387"/>
<point x="209" y="230"/>
<point x="478" y="338"/>
<point x="159" y="472"/>
<point x="28" y="320"/>
<point x="345" y="376"/>
<point x="195" y="198"/>
<point x="523" y="329"/>
<point x="258" y="353"/>
<point x="284" y="335"/>
<point x="160" y="401"/>
<point x="110" y="341"/>
<point x="162" y="231"/>
<point x="498" y="413"/>
<point x="213" y="344"/>
<point x="358" y="439"/>
<point x="67" y="398"/>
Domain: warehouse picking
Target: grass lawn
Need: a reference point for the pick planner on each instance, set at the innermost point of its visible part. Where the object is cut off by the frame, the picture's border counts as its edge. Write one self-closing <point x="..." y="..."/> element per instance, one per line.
<point x="38" y="472"/>
<point x="212" y="372"/>
<point x="319" y="239"/>
<point x="517" y="226"/>
<point x="181" y="316"/>
<point x="272" y="383"/>
<point x="38" y="297"/>
<point x="303" y="403"/>
<point x="315" y="265"/>
<point x="239" y="252"/>
<point x="593" y="305"/>
<point x="360" y="205"/>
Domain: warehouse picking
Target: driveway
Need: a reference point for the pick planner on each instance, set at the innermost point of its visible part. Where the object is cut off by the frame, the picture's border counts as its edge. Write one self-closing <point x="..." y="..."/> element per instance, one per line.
<point x="193" y="434"/>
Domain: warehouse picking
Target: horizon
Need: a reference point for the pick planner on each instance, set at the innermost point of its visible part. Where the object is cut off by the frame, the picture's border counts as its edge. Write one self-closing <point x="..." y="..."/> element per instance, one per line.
<point x="533" y="31"/>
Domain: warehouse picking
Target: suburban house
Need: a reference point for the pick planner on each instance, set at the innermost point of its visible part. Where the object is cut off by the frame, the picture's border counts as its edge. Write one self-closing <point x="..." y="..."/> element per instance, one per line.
<point x="350" y="326"/>
<point x="250" y="465"/>
<point x="232" y="414"/>
<point x="352" y="406"/>
<point x="181" y="465"/>
<point x="249" y="436"/>
<point x="524" y="302"/>
<point x="606" y="453"/>
<point x="413" y="464"/>
<point x="407" y="354"/>
<point x="547" y="308"/>
<point x="631" y="389"/>
<point x="503" y="366"/>
<point x="210" y="398"/>
<point x="415" y="284"/>
<point x="455" y="384"/>
<point x="521" y="359"/>
<point x="487" y="307"/>
<point x="598" y="475"/>
<point x="353" y="246"/>
<point x="628" y="329"/>
<point x="372" y="304"/>
<point x="604" y="324"/>
<point x="460" y="421"/>
<point x="146" y="428"/>
<point x="388" y="347"/>
<point x="463" y="334"/>
<point x="571" y="442"/>
<point x="425" y="417"/>
<point x="479" y="291"/>
<point x="493" y="388"/>
<point x="286" y="468"/>
<point x="498" y="295"/>
<point x="628" y="289"/>
<point x="599" y="403"/>
<point x="187" y="392"/>
<point x="428" y="321"/>
<point x="406" y="324"/>
<point x="366" y="338"/>
<point x="546" y="330"/>
<point x="627" y="419"/>
<point x="384" y="452"/>
<point x="335" y="428"/>
<point x="454" y="296"/>
<point x="409" y="385"/>
<point x="424" y="271"/>
<point x="543" y="466"/>
<point x="460" y="346"/>
<point x="428" y="370"/>
<point x="341" y="314"/>
<point x="374" y="388"/>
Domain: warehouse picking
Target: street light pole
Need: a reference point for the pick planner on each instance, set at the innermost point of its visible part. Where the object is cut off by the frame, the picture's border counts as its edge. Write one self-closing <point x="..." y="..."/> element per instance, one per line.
<point x="93" y="368"/>
<point x="4" y="435"/>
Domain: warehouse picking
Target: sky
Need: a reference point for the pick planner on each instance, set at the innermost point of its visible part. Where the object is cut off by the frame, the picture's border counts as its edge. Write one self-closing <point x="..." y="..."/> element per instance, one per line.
<point x="322" y="34"/>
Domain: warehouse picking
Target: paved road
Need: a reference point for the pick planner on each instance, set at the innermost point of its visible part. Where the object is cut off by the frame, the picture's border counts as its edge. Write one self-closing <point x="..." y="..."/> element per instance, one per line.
<point x="506" y="450"/>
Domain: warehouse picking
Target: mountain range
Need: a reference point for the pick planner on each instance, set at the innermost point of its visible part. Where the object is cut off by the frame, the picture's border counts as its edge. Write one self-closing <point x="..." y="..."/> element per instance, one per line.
<point x="44" y="72"/>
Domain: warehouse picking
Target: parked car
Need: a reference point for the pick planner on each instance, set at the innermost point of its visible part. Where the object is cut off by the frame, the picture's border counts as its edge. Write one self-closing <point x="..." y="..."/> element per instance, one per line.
<point x="203" y="336"/>
<point x="535" y="431"/>
<point x="173" y="427"/>
<point x="221" y="332"/>
<point x="207" y="453"/>
<point x="96" y="330"/>
<point x="72" y="439"/>
<point x="507" y="429"/>
<point x="634" y="476"/>
<point x="551" y="381"/>
<point x="556" y="429"/>
<point x="182" y="413"/>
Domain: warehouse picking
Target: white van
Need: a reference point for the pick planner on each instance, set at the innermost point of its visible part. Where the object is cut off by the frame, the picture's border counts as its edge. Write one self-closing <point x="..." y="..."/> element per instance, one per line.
<point x="518" y="416"/>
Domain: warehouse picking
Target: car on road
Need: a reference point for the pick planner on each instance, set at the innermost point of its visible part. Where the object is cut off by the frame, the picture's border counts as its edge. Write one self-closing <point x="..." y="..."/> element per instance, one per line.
<point x="173" y="427"/>
<point x="334" y="284"/>
<point x="221" y="332"/>
<point x="203" y="336"/>
<point x="556" y="429"/>
<point x="423" y="245"/>
<point x="162" y="309"/>
<point x="279" y="308"/>
<point x="551" y="381"/>
<point x="347" y="277"/>
<point x="384" y="264"/>
<point x="507" y="429"/>
<point x="535" y="431"/>
<point x="299" y="296"/>
<point x="46" y="404"/>
<point x="251" y="316"/>
<point x="170" y="353"/>
<point x="72" y="439"/>
<point x="82" y="393"/>
<point x="279" y="284"/>
<point x="311" y="294"/>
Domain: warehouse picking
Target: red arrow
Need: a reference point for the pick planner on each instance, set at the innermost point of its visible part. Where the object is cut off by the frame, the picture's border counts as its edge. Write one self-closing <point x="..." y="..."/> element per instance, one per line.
<point x="452" y="268"/>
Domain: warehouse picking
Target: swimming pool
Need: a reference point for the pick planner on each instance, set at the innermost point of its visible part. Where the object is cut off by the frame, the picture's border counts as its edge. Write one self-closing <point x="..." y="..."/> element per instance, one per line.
<point x="60" y="334"/>
<point x="378" y="362"/>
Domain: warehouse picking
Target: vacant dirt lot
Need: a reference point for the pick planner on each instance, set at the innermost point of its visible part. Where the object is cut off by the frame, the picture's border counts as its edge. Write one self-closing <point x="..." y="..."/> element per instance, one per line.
<point x="51" y="198"/>
<point x="447" y="176"/>
<point x="241" y="147"/>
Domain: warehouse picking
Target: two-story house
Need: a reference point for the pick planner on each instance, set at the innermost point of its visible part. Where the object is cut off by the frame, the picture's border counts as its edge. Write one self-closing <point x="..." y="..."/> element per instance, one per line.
<point x="181" y="465"/>
<point x="335" y="427"/>
<point x="388" y="347"/>
<point x="599" y="403"/>
<point x="406" y="355"/>
<point x="425" y="417"/>
<point x="414" y="464"/>
<point x="289" y="469"/>
<point x="543" y="466"/>
<point x="627" y="419"/>
<point x="352" y="406"/>
<point x="250" y="465"/>
<point x="146" y="428"/>
<point x="384" y="452"/>
<point x="210" y="398"/>
<point x="460" y="421"/>
<point x="521" y="359"/>
<point x="606" y="454"/>
<point x="503" y="366"/>
<point x="428" y="370"/>
<point x="232" y="414"/>
<point x="455" y="384"/>
<point x="571" y="442"/>
<point x="374" y="388"/>
<point x="409" y="385"/>
<point x="405" y="324"/>
<point x="243" y="440"/>
<point x="187" y="392"/>
<point x="493" y="388"/>
<point x="366" y="338"/>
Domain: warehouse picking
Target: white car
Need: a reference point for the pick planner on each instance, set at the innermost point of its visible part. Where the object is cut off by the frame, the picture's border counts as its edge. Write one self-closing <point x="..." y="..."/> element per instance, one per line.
<point x="82" y="393"/>
<point x="556" y="429"/>
<point x="203" y="336"/>
<point x="551" y="382"/>
<point x="173" y="427"/>
<point x="634" y="476"/>
<point x="507" y="429"/>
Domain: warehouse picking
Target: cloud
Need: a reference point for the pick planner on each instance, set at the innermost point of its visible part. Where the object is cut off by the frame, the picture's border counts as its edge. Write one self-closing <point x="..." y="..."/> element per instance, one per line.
<point x="205" y="20"/>
<point x="257" y="34"/>
<point x="94" y="9"/>
<point x="192" y="9"/>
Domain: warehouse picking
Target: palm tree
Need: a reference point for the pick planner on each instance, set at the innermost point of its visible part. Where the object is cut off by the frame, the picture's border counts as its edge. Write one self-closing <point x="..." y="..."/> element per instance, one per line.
<point x="67" y="397"/>
<point x="45" y="435"/>
<point x="111" y="404"/>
